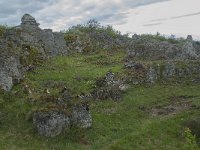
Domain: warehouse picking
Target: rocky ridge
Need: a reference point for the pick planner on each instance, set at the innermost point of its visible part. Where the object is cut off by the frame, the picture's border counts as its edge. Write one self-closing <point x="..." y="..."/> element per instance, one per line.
<point x="26" y="45"/>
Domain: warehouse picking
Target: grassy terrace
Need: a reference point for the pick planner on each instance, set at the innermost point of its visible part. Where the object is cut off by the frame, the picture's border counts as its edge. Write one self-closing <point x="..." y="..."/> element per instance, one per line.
<point x="116" y="125"/>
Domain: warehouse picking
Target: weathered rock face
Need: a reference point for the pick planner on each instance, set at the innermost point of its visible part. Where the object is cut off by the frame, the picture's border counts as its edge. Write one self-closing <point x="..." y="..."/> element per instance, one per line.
<point x="158" y="48"/>
<point x="62" y="114"/>
<point x="109" y="87"/>
<point x="28" y="20"/>
<point x="189" y="51"/>
<point x="81" y="117"/>
<point x="164" y="59"/>
<point x="10" y="70"/>
<point x="152" y="75"/>
<point x="51" y="123"/>
<point x="169" y="70"/>
<point x="179" y="71"/>
<point x="19" y="43"/>
<point x="51" y="43"/>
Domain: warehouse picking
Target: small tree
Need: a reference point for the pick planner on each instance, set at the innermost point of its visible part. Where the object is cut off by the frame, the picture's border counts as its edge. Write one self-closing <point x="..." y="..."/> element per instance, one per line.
<point x="93" y="24"/>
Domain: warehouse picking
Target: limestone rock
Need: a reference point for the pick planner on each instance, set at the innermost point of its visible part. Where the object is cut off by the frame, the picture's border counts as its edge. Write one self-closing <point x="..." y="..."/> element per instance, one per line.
<point x="189" y="38"/>
<point x="5" y="81"/>
<point x="189" y="51"/>
<point x="109" y="87"/>
<point x="105" y="93"/>
<point x="148" y="47"/>
<point x="152" y="75"/>
<point x="169" y="69"/>
<point x="81" y="117"/>
<point x="50" y="123"/>
<point x="17" y="44"/>
<point x="10" y="72"/>
<point x="28" y="20"/>
<point x="62" y="114"/>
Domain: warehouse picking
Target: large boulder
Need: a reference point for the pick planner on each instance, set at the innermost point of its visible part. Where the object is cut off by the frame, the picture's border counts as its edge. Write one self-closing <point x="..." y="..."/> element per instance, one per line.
<point x="81" y="117"/>
<point x="10" y="71"/>
<point x="50" y="123"/>
<point x="62" y="113"/>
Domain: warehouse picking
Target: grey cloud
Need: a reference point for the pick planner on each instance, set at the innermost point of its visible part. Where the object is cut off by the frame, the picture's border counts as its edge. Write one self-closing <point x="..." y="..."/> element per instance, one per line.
<point x="176" y="17"/>
<point x="137" y="3"/>
<point x="50" y="13"/>
<point x="152" y="24"/>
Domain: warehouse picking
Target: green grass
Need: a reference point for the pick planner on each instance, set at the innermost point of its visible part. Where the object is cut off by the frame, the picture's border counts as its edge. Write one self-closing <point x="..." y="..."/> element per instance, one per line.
<point x="116" y="125"/>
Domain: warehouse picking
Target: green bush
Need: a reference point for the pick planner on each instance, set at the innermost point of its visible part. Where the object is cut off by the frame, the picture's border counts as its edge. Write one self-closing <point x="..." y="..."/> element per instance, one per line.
<point x="3" y="29"/>
<point x="93" y="26"/>
<point x="191" y="143"/>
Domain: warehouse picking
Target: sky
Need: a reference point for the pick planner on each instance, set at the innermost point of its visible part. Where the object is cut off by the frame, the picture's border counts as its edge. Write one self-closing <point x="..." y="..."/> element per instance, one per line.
<point x="178" y="17"/>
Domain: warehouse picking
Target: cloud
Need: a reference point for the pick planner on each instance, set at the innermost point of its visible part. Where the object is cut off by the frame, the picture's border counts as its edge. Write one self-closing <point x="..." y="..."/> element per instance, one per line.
<point x="152" y="24"/>
<point x="176" y="17"/>
<point x="60" y="14"/>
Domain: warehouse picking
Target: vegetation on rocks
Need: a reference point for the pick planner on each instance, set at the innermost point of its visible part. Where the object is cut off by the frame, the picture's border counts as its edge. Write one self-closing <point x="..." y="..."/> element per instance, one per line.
<point x="3" y="29"/>
<point x="117" y="92"/>
<point x="117" y="125"/>
<point x="92" y="36"/>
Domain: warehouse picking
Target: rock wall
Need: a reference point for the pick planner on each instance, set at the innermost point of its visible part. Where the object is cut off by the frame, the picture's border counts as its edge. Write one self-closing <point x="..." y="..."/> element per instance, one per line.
<point x="162" y="71"/>
<point x="147" y="47"/>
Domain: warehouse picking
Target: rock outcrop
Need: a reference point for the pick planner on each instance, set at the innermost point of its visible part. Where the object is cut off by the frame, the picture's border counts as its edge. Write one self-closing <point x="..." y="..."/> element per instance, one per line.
<point x="25" y="45"/>
<point x="147" y="47"/>
<point x="63" y="113"/>
<point x="9" y="72"/>
<point x="189" y="51"/>
<point x="50" y="123"/>
<point x="53" y="122"/>
<point x="109" y="87"/>
<point x="178" y="71"/>
<point x="28" y="20"/>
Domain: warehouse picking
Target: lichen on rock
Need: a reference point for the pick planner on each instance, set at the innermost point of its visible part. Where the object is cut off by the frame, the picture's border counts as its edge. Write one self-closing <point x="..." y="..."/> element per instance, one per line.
<point x="60" y="113"/>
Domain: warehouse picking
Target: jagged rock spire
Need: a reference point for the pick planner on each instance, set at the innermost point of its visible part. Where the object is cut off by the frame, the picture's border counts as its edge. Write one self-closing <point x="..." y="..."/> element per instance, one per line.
<point x="189" y="38"/>
<point x="27" y="19"/>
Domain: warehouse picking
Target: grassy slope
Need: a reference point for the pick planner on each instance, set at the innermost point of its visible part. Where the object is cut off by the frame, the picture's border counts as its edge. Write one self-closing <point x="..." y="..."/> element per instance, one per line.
<point x="117" y="125"/>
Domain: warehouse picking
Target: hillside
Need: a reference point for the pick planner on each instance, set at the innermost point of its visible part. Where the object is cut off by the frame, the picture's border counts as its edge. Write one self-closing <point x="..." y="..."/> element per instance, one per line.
<point x="94" y="88"/>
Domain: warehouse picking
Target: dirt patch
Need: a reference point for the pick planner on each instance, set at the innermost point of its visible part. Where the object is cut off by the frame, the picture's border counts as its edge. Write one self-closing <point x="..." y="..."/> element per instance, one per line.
<point x="175" y="105"/>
